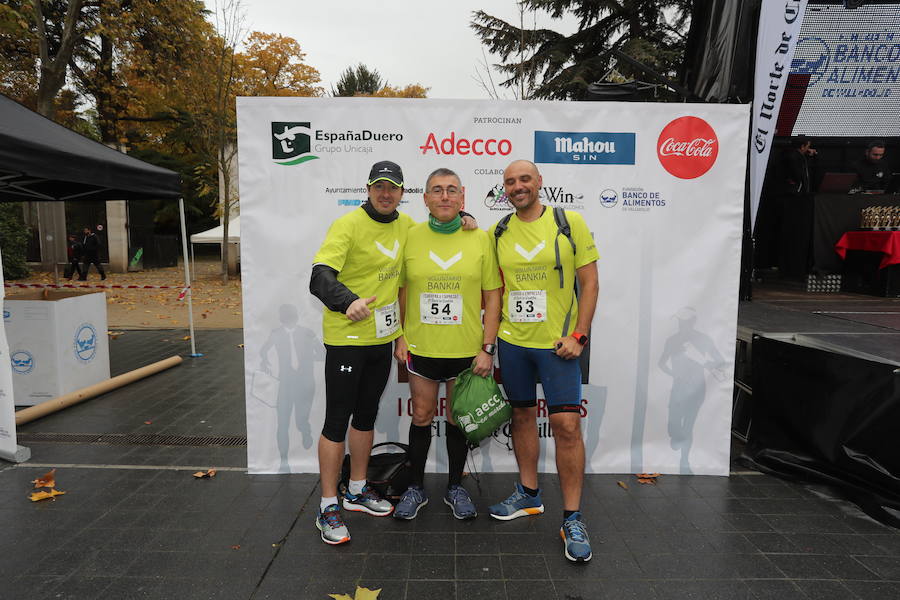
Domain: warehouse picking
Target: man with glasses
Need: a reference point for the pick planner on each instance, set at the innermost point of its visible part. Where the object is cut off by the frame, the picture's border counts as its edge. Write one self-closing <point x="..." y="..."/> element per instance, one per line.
<point x="448" y="273"/>
<point x="542" y="333"/>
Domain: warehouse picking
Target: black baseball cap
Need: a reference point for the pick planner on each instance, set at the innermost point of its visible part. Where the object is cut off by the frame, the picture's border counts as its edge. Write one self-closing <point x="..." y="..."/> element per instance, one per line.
<point x="387" y="171"/>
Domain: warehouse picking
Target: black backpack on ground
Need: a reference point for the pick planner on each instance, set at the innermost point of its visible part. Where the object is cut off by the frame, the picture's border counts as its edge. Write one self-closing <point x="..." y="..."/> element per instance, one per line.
<point x="388" y="472"/>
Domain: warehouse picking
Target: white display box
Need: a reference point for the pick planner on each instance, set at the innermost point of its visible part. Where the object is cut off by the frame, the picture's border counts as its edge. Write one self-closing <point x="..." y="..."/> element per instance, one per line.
<point x="57" y="343"/>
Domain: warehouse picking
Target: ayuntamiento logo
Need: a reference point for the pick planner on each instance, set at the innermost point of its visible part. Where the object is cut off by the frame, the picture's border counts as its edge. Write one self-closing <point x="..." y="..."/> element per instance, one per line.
<point x="290" y="143"/>
<point x="583" y="148"/>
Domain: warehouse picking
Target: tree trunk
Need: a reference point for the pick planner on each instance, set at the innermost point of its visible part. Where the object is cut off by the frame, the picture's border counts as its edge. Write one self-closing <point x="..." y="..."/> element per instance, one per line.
<point x="53" y="70"/>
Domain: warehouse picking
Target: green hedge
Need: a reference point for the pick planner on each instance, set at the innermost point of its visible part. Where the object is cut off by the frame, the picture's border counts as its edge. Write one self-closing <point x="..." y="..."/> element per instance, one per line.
<point x="13" y="241"/>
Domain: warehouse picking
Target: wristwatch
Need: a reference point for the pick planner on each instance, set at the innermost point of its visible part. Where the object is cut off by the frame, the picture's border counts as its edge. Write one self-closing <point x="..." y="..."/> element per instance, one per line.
<point x="581" y="338"/>
<point x="490" y="348"/>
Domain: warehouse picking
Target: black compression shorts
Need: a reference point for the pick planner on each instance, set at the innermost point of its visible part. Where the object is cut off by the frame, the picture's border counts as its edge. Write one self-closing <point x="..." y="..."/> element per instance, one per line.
<point x="355" y="377"/>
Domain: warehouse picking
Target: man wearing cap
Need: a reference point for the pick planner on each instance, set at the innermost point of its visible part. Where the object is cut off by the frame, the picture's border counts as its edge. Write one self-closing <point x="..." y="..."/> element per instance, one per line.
<point x="543" y="330"/>
<point x="356" y="274"/>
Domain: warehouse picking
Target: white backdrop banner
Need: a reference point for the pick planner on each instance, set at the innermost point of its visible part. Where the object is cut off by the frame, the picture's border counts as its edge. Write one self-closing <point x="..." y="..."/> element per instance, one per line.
<point x="660" y="186"/>
<point x="7" y="406"/>
<point x="779" y="28"/>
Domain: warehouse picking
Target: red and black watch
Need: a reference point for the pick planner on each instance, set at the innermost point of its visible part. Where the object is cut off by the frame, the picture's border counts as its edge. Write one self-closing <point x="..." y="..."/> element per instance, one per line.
<point x="581" y="338"/>
<point x="489" y="349"/>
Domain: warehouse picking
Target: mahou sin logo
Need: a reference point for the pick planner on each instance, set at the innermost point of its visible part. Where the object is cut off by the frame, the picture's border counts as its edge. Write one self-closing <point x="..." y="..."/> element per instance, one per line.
<point x="687" y="147"/>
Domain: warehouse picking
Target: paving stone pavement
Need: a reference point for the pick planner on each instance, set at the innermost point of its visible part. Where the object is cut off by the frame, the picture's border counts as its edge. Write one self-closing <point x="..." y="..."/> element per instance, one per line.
<point x="134" y="523"/>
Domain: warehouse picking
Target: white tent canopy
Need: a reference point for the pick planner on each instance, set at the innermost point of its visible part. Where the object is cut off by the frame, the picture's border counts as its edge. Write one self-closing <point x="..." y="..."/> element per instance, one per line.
<point x="214" y="235"/>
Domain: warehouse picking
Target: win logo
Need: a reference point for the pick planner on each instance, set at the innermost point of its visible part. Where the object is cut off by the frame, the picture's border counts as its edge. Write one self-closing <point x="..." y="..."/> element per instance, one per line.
<point x="583" y="148"/>
<point x="290" y="143"/>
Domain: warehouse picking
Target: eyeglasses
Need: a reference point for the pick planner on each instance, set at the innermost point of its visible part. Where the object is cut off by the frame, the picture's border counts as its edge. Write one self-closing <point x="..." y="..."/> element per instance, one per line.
<point x="452" y="192"/>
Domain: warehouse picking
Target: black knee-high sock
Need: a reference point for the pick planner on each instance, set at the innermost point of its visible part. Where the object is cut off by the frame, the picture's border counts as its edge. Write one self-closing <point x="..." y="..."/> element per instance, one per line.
<point x="419" y="443"/>
<point x="457" y="449"/>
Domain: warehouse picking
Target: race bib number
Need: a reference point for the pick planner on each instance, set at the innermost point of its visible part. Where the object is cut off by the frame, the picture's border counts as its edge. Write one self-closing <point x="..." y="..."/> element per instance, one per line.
<point x="527" y="306"/>
<point x="387" y="320"/>
<point x="441" y="309"/>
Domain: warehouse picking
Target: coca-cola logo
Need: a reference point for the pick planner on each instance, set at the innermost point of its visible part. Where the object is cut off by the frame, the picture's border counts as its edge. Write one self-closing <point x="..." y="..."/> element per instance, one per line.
<point x="687" y="147"/>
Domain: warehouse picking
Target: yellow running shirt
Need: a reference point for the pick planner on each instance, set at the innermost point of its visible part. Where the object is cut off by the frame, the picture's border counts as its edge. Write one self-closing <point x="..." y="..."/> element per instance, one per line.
<point x="444" y="274"/>
<point x="367" y="256"/>
<point x="534" y="306"/>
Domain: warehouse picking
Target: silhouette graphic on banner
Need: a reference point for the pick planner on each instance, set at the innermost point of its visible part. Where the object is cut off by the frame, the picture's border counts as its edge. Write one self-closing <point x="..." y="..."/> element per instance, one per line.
<point x="293" y="386"/>
<point x="686" y="357"/>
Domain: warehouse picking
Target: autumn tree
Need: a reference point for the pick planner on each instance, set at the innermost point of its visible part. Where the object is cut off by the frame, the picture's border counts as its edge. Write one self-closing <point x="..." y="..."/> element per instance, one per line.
<point x="413" y="90"/>
<point x="557" y="66"/>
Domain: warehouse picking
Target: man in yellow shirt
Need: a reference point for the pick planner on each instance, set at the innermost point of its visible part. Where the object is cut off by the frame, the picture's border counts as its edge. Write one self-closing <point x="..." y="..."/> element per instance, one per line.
<point x="356" y="275"/>
<point x="448" y="273"/>
<point x="541" y="253"/>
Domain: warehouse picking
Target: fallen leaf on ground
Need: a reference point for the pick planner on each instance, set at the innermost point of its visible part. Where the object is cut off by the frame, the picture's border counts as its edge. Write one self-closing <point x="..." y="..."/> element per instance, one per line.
<point x="361" y="594"/>
<point x="186" y="338"/>
<point x="622" y="485"/>
<point x="114" y="334"/>
<point x="147" y="422"/>
<point x="209" y="473"/>
<point x="647" y="478"/>
<point x="236" y="547"/>
<point x="38" y="496"/>
<point x="240" y="345"/>
<point x="47" y="480"/>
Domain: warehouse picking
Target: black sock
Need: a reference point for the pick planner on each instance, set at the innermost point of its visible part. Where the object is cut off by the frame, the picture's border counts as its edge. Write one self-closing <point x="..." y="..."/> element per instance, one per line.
<point x="531" y="492"/>
<point x="457" y="449"/>
<point x="568" y="513"/>
<point x="419" y="443"/>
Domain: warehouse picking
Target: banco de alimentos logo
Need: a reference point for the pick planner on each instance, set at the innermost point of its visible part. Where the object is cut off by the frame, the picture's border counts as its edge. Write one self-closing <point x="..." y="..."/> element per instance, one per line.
<point x="291" y="142"/>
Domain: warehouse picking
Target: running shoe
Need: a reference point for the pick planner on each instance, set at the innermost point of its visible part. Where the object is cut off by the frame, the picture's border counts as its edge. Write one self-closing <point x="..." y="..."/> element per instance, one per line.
<point x="332" y="526"/>
<point x="367" y="501"/>
<point x="458" y="499"/>
<point x="411" y="501"/>
<point x="519" y="504"/>
<point x="575" y="536"/>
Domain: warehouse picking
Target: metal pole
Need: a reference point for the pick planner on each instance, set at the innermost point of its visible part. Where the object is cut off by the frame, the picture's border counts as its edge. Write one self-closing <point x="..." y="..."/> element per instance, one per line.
<point x="187" y="278"/>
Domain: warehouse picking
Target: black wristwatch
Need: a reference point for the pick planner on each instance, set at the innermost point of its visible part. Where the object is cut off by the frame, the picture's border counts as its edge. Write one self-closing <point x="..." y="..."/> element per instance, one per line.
<point x="490" y="349"/>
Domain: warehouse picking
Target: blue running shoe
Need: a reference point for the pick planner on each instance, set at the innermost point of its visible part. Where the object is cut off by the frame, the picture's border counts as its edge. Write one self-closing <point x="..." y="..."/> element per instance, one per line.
<point x="411" y="501"/>
<point x="458" y="499"/>
<point x="575" y="536"/>
<point x="519" y="504"/>
<point x="332" y="526"/>
<point x="367" y="501"/>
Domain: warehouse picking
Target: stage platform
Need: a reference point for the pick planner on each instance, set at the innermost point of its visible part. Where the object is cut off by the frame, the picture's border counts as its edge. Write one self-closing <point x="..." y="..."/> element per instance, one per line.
<point x="816" y="392"/>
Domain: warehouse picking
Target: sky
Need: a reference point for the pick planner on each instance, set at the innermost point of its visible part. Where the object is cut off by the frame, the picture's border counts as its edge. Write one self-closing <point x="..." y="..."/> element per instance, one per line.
<point x="427" y="42"/>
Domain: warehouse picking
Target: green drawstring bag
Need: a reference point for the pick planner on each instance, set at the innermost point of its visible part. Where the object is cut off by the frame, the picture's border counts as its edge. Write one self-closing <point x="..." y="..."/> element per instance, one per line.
<point x="479" y="407"/>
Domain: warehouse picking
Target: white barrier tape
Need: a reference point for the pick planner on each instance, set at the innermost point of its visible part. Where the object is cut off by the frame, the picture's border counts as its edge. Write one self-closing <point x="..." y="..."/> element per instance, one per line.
<point x="100" y="286"/>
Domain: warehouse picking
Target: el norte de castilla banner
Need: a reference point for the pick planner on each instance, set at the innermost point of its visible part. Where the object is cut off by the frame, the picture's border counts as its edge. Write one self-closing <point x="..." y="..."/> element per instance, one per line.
<point x="659" y="185"/>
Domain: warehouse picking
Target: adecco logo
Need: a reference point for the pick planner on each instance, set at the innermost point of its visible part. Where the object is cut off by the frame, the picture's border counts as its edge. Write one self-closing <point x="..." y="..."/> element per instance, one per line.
<point x="687" y="147"/>
<point x="453" y="145"/>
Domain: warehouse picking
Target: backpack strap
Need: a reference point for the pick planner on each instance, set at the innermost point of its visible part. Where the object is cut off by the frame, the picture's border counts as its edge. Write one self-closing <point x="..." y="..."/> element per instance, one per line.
<point x="563" y="228"/>
<point x="502" y="226"/>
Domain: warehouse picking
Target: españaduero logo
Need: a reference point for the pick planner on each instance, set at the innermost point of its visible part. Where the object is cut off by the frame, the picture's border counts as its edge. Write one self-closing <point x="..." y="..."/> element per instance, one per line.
<point x="583" y="148"/>
<point x="291" y="143"/>
<point x="22" y="362"/>
<point x="85" y="342"/>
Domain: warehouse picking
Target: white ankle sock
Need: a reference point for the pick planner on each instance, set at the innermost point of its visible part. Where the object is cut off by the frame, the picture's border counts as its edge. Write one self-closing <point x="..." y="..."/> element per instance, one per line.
<point x="326" y="502"/>
<point x="355" y="487"/>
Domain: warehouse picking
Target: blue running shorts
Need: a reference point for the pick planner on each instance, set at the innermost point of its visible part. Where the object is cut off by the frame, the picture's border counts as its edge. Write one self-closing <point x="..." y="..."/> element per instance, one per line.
<point x="521" y="368"/>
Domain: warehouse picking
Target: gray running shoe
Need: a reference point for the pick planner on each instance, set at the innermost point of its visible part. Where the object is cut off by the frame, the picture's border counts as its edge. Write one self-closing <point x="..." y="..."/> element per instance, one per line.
<point x="332" y="526"/>
<point x="368" y="501"/>
<point x="411" y="501"/>
<point x="458" y="499"/>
